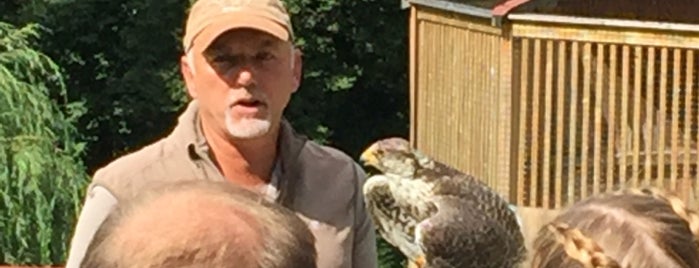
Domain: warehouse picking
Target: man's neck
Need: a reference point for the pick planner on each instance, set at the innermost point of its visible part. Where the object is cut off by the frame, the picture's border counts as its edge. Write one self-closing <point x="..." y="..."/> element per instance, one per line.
<point x="249" y="162"/>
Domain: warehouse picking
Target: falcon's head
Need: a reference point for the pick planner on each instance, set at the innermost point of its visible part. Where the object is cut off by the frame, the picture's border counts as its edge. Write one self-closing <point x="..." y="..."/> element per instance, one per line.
<point x="397" y="197"/>
<point x="395" y="156"/>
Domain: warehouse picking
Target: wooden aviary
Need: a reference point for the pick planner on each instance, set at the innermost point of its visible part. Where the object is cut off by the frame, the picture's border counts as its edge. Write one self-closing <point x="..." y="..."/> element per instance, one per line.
<point x="552" y="101"/>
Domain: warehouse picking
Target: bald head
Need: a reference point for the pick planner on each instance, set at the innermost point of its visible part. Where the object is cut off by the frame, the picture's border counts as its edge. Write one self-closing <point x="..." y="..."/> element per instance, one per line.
<point x="177" y="220"/>
<point x="201" y="224"/>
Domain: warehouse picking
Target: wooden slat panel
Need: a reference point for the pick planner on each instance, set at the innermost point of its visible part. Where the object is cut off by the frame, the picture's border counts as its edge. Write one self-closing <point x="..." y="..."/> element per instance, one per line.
<point x="588" y="116"/>
<point x="662" y="113"/>
<point x="491" y="82"/>
<point x="674" y="136"/>
<point x="458" y="21"/>
<point x="584" y="158"/>
<point x="447" y="37"/>
<point x="636" y="129"/>
<point x="572" y="154"/>
<point x="462" y="129"/>
<point x="548" y="92"/>
<point x="599" y="95"/>
<point x="523" y="123"/>
<point x="481" y="97"/>
<point x="467" y="106"/>
<point x="688" y="112"/>
<point x="625" y="59"/>
<point x="536" y="104"/>
<point x="560" y="122"/>
<point x="605" y="35"/>
<point x="612" y="179"/>
<point x="450" y="100"/>
<point x="507" y="152"/>
<point x="695" y="116"/>
<point x="414" y="62"/>
<point x="650" y="112"/>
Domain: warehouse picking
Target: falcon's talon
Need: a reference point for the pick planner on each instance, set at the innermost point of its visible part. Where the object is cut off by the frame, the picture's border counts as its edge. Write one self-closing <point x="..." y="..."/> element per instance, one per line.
<point x="420" y="262"/>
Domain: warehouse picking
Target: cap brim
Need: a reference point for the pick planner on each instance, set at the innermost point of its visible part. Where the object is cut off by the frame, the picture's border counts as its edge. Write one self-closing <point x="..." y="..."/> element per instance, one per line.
<point x="228" y="22"/>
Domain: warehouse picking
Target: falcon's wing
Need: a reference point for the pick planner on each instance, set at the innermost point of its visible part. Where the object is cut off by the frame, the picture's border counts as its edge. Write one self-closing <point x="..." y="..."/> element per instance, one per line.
<point x="391" y="217"/>
<point x="461" y="235"/>
<point x="487" y="200"/>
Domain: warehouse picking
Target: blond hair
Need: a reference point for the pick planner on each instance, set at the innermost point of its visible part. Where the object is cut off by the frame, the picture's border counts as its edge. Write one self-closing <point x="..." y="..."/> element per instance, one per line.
<point x="629" y="228"/>
<point x="201" y="224"/>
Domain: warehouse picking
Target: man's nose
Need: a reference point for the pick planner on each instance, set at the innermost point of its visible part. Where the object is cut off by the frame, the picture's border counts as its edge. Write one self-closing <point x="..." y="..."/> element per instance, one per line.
<point x="244" y="77"/>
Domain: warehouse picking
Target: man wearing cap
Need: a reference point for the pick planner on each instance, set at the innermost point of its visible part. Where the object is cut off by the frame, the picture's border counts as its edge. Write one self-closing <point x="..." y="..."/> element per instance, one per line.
<point x="240" y="68"/>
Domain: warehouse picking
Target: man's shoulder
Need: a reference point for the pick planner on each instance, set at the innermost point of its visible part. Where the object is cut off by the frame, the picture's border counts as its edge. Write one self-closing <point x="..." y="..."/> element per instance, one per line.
<point x="327" y="166"/>
<point x="134" y="169"/>
<point x="326" y="156"/>
<point x="330" y="175"/>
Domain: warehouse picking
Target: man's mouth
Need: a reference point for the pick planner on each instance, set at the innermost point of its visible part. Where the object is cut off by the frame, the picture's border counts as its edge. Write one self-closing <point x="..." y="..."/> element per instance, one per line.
<point x="250" y="103"/>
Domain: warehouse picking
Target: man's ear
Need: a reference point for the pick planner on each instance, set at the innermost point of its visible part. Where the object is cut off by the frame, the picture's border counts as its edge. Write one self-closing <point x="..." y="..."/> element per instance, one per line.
<point x="187" y="70"/>
<point x="297" y="67"/>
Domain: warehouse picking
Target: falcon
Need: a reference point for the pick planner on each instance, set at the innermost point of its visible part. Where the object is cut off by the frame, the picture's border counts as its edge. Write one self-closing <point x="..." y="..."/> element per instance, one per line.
<point x="436" y="215"/>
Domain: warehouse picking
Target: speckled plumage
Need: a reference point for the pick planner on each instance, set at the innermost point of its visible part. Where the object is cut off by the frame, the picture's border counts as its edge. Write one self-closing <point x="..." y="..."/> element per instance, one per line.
<point x="436" y="215"/>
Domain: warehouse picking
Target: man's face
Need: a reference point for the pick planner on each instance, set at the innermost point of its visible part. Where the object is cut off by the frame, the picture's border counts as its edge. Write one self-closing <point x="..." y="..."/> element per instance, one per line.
<point x="243" y="81"/>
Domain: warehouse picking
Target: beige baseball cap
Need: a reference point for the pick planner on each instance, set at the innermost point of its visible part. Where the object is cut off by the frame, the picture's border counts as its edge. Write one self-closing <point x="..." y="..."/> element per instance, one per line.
<point x="210" y="18"/>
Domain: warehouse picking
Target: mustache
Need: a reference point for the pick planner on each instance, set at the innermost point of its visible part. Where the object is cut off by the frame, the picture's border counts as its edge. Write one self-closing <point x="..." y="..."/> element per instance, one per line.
<point x="253" y="96"/>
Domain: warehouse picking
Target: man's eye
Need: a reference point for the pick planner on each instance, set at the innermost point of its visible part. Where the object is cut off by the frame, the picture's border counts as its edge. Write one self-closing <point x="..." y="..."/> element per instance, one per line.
<point x="264" y="56"/>
<point x="224" y="58"/>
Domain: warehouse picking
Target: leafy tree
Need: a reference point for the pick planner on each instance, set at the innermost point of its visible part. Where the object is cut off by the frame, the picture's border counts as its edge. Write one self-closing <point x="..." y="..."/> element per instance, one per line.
<point x="41" y="175"/>
<point x="122" y="58"/>
<point x="355" y="84"/>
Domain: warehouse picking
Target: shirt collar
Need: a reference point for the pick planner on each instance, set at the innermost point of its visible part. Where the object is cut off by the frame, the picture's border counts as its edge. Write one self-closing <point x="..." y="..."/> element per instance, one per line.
<point x="189" y="136"/>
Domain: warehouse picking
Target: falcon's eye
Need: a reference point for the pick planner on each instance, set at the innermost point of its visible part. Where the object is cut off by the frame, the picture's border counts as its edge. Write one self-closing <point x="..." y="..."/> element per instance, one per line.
<point x="379" y="153"/>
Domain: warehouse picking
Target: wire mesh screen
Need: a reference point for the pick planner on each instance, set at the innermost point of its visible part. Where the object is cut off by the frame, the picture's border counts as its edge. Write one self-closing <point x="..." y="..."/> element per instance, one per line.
<point x="595" y="117"/>
<point x="457" y="93"/>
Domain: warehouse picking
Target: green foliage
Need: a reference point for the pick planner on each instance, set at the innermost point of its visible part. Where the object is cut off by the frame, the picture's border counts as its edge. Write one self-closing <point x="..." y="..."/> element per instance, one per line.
<point x="355" y="84"/>
<point x="122" y="57"/>
<point x="389" y="256"/>
<point x="41" y="177"/>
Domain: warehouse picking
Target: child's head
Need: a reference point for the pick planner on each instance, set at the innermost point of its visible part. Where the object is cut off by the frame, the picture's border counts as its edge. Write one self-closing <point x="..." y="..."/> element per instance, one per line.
<point x="632" y="228"/>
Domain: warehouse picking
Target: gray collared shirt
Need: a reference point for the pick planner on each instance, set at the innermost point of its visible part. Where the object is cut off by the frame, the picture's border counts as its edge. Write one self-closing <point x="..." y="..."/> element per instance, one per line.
<point x="322" y="185"/>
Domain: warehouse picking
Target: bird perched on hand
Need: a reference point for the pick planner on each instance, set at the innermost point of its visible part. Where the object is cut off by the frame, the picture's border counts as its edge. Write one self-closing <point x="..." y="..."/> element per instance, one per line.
<point x="437" y="216"/>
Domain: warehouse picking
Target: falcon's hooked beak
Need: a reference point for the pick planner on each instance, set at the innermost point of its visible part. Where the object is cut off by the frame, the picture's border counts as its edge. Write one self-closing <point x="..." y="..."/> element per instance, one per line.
<point x="369" y="156"/>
